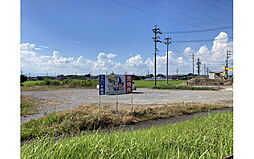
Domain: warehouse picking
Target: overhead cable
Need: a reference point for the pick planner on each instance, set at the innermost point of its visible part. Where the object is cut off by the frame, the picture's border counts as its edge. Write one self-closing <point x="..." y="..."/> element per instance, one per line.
<point x="195" y="31"/>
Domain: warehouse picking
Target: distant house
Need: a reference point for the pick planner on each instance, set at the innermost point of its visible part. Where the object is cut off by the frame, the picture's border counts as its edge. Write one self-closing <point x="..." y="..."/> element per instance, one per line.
<point x="32" y="78"/>
<point x="215" y="75"/>
<point x="61" y="77"/>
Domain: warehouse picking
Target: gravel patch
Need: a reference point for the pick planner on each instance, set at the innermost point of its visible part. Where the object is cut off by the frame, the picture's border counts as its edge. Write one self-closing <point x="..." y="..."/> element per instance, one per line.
<point x="63" y="99"/>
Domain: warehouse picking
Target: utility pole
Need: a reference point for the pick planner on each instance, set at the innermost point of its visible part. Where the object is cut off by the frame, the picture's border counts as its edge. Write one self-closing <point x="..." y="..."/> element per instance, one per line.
<point x="198" y="64"/>
<point x="167" y="43"/>
<point x="155" y="38"/>
<point x="226" y="71"/>
<point x="193" y="63"/>
<point x="207" y="71"/>
<point x="204" y="69"/>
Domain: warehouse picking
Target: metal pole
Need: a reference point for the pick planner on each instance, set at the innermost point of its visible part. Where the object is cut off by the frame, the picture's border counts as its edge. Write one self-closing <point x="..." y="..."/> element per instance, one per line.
<point x="155" y="31"/>
<point x="167" y="43"/>
<point x="167" y="64"/>
<point x="99" y="100"/>
<point x="227" y="63"/>
<point x="193" y="63"/>
<point x="198" y="64"/>
<point x="116" y="103"/>
<point x="132" y="101"/>
<point x="155" y="58"/>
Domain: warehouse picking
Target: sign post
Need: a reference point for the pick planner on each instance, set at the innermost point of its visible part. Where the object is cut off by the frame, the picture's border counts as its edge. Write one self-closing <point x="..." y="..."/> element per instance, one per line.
<point x="132" y="102"/>
<point x="116" y="102"/>
<point x="99" y="100"/>
<point x="114" y="85"/>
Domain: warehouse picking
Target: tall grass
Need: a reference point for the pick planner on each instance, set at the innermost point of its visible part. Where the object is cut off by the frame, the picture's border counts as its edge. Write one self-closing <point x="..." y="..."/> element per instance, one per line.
<point x="201" y="138"/>
<point x="91" y="117"/>
<point x="27" y="105"/>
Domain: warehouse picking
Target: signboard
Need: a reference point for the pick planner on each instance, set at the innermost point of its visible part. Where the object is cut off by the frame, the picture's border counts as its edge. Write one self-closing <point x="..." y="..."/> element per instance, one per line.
<point x="115" y="84"/>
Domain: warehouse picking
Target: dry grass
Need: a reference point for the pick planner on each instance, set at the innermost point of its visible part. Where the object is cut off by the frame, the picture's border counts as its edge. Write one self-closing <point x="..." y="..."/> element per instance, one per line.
<point x="27" y="105"/>
<point x="91" y="117"/>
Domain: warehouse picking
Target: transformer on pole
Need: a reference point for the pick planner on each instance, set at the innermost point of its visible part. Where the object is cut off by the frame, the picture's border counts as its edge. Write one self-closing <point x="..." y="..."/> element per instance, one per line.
<point x="156" y="40"/>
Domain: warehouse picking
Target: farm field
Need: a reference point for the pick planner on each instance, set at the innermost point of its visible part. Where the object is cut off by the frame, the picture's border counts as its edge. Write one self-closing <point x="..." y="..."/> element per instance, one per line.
<point x="139" y="83"/>
<point x="203" y="137"/>
<point x="150" y="83"/>
<point x="46" y="85"/>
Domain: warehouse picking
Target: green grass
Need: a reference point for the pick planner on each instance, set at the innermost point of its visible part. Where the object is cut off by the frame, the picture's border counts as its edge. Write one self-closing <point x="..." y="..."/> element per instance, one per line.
<point x="91" y="117"/>
<point x="200" y="138"/>
<point x="27" y="106"/>
<point x="183" y="87"/>
<point x="32" y="83"/>
<point x="150" y="84"/>
<point x="55" y="84"/>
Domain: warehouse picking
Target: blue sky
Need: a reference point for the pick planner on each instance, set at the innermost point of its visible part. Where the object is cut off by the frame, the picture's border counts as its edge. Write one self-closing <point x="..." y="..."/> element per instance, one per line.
<point x="121" y="27"/>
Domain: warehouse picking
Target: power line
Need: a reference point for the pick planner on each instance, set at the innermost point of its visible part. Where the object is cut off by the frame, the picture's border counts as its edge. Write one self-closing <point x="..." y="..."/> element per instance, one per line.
<point x="226" y="4"/>
<point x="174" y="46"/>
<point x="145" y="11"/>
<point x="177" y="12"/>
<point x="186" y="41"/>
<point x="137" y="14"/>
<point x="211" y="4"/>
<point x="201" y="13"/>
<point x="196" y="31"/>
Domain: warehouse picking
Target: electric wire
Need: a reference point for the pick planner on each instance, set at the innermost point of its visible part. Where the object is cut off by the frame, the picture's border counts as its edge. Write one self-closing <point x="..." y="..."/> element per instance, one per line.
<point x="192" y="41"/>
<point x="132" y="10"/>
<point x="201" y="13"/>
<point x="196" y="31"/>
<point x="142" y="10"/>
<point x="211" y="4"/>
<point x="177" y="12"/>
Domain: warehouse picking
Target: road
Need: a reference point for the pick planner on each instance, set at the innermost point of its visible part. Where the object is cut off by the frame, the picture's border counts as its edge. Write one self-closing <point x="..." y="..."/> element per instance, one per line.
<point x="63" y="99"/>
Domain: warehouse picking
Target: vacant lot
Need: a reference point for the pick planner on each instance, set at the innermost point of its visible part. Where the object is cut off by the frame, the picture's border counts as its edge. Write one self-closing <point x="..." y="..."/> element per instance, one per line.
<point x="63" y="99"/>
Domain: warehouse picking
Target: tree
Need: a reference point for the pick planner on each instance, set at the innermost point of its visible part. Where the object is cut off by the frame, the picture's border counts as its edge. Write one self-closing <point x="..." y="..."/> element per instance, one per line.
<point x="112" y="73"/>
<point x="23" y="78"/>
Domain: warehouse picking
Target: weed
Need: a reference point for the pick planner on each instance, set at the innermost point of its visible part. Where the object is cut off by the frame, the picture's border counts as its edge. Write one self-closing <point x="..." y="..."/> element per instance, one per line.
<point x="91" y="117"/>
<point x="203" y="137"/>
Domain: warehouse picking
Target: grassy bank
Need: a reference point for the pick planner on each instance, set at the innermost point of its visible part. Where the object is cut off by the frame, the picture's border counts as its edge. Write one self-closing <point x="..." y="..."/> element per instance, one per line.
<point x="91" y="117"/>
<point x="55" y="84"/>
<point x="204" y="137"/>
<point x="27" y="106"/>
<point x="150" y="84"/>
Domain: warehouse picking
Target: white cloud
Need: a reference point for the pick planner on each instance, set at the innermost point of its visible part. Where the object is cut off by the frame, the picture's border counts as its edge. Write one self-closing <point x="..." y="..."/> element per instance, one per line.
<point x="188" y="51"/>
<point x="33" y="62"/>
<point x="111" y="55"/>
<point x="203" y="50"/>
<point x="46" y="47"/>
<point x="27" y="46"/>
<point x="214" y="58"/>
<point x="37" y="48"/>
<point x="135" y="61"/>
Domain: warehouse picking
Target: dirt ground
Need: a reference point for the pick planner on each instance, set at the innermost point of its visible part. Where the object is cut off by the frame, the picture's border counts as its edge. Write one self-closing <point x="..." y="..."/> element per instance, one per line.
<point x="62" y="99"/>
